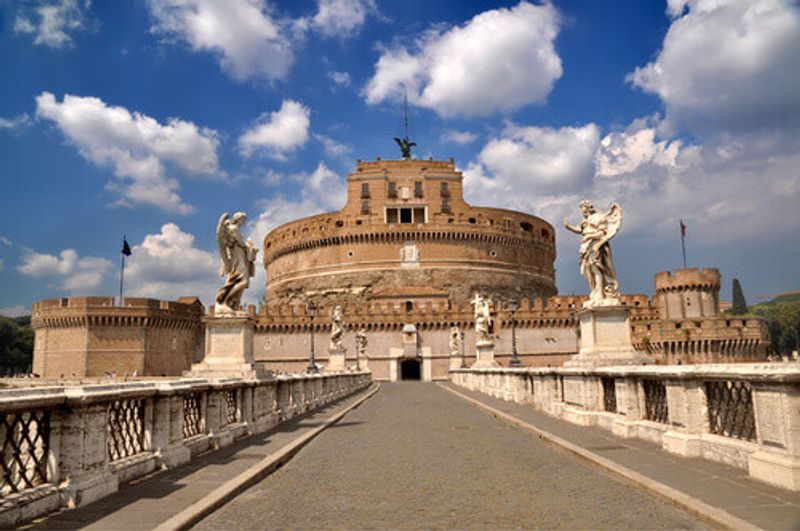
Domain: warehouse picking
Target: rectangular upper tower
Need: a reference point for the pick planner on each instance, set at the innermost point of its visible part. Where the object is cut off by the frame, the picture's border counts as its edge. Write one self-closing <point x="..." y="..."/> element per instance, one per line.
<point x="405" y="191"/>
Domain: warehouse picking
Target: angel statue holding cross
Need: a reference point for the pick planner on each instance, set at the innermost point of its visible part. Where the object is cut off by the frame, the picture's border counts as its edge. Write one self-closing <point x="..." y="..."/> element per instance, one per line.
<point x="238" y="257"/>
<point x="597" y="267"/>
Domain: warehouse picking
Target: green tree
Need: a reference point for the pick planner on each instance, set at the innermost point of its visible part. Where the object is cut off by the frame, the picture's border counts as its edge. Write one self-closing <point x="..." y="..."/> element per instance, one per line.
<point x="739" y="304"/>
<point x="16" y="345"/>
<point x="783" y="322"/>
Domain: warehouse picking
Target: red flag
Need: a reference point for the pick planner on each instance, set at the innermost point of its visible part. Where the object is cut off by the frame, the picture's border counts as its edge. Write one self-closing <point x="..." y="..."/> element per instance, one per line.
<point x="683" y="229"/>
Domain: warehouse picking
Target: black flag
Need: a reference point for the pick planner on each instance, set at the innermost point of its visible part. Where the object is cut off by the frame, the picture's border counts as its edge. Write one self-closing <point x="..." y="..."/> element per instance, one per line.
<point x="126" y="249"/>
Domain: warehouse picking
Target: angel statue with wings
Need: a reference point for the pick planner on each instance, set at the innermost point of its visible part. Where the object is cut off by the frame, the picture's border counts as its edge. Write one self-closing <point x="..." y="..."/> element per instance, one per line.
<point x="238" y="257"/>
<point x="597" y="267"/>
<point x="483" y="319"/>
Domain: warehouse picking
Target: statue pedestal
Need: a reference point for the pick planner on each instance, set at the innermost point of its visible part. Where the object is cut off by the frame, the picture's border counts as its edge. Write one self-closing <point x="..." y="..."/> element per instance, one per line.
<point x="485" y="355"/>
<point x="336" y="360"/>
<point x="606" y="339"/>
<point x="229" y="348"/>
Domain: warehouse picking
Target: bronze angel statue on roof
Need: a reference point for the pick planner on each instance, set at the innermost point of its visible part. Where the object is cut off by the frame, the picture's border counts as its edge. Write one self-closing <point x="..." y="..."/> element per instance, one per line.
<point x="597" y="266"/>
<point x="238" y="258"/>
<point x="405" y="146"/>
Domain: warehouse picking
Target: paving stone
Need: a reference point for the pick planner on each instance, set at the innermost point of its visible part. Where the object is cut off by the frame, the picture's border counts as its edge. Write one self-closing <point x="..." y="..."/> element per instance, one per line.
<point x="415" y="456"/>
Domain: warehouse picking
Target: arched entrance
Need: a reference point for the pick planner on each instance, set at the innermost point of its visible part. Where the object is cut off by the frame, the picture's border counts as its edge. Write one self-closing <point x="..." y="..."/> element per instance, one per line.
<point x="410" y="370"/>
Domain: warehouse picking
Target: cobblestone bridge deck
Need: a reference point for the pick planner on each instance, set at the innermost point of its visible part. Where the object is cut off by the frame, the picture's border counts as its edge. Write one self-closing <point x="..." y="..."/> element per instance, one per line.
<point x="415" y="456"/>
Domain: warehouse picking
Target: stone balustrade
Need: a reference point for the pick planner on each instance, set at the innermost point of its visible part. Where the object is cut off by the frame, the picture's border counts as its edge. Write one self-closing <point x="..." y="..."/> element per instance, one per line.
<point x="68" y="446"/>
<point x="745" y="415"/>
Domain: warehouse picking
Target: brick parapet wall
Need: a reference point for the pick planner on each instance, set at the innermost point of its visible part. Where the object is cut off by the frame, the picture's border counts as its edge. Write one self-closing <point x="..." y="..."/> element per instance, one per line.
<point x="688" y="279"/>
<point x="83" y="311"/>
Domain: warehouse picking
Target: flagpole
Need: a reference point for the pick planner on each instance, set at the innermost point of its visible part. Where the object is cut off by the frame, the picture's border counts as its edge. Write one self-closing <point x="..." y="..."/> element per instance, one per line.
<point x="121" y="274"/>
<point x="683" y="243"/>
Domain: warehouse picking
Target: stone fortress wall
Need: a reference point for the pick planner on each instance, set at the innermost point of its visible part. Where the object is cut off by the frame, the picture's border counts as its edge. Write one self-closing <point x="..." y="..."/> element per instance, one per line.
<point x="690" y="329"/>
<point x="89" y="336"/>
<point x="406" y="224"/>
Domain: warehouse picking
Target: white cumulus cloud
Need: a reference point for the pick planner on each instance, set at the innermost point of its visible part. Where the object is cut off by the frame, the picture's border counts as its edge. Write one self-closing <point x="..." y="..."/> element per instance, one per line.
<point x="278" y="132"/>
<point x="168" y="265"/>
<point x="625" y="152"/>
<point x="67" y="271"/>
<point x="728" y="64"/>
<point x="244" y="35"/>
<point x="341" y="79"/>
<point x="500" y="60"/>
<point x="51" y="22"/>
<point x="341" y="18"/>
<point x="137" y="147"/>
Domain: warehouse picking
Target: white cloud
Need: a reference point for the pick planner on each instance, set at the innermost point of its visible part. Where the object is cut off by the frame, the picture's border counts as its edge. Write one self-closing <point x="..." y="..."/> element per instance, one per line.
<point x="729" y="188"/>
<point x="243" y="34"/>
<point x="15" y="123"/>
<point x="68" y="271"/>
<point x="168" y="265"/>
<point x="4" y="240"/>
<point x="333" y="148"/>
<point x="625" y="152"/>
<point x="278" y="132"/>
<point x="728" y="64"/>
<point x="540" y="160"/>
<point x="342" y="79"/>
<point x="502" y="59"/>
<point x="341" y="18"/>
<point x="51" y="21"/>
<point x="459" y="137"/>
<point x="15" y="311"/>
<point x="136" y="146"/>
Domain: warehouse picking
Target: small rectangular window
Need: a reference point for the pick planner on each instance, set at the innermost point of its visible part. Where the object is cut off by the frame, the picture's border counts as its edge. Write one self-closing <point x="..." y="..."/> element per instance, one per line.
<point x="405" y="215"/>
<point x="365" y="206"/>
<point x="417" y="189"/>
<point x="364" y="190"/>
<point x="446" y="205"/>
<point x="391" y="215"/>
<point x="419" y="215"/>
<point x="444" y="190"/>
<point x="392" y="190"/>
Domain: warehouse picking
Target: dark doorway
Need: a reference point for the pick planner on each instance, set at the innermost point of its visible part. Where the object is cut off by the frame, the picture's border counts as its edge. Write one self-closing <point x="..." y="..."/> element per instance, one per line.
<point x="410" y="370"/>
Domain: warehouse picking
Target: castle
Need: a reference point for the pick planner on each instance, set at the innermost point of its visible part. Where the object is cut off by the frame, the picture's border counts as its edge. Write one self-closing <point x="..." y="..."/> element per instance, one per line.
<point x="402" y="257"/>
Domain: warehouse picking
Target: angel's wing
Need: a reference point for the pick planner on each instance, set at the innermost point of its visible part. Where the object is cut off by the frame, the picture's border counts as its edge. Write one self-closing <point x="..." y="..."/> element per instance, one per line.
<point x="223" y="242"/>
<point x="613" y="222"/>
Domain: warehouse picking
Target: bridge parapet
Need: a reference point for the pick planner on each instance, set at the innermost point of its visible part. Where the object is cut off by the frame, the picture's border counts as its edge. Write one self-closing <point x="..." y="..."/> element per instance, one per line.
<point x="745" y="415"/>
<point x="68" y="446"/>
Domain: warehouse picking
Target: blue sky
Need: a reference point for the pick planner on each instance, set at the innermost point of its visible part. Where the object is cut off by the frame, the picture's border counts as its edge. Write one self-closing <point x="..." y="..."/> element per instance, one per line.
<point x="149" y="118"/>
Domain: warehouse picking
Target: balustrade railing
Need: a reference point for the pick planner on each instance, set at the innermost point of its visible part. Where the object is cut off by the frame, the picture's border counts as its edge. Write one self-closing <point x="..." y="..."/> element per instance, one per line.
<point x="745" y="415"/>
<point x="71" y="445"/>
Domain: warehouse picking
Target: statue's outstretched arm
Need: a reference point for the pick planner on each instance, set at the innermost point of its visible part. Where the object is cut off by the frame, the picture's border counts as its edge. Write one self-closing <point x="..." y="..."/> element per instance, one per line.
<point x="570" y="228"/>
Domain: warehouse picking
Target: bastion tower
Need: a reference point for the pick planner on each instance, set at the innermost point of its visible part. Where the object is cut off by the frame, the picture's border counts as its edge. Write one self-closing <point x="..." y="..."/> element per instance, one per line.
<point x="407" y="235"/>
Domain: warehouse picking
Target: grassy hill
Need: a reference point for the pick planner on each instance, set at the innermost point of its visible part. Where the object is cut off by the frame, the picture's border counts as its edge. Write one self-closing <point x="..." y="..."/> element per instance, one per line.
<point x="782" y="314"/>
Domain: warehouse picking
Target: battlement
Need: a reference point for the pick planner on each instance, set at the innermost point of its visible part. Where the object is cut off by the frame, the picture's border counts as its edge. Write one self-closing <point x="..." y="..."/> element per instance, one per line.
<point x="79" y="310"/>
<point x="420" y="165"/>
<point x="686" y="279"/>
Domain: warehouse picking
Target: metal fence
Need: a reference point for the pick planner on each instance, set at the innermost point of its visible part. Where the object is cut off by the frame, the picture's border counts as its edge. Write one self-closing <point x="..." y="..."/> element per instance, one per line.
<point x="125" y="428"/>
<point x="232" y="407"/>
<point x="655" y="401"/>
<point x="25" y="439"/>
<point x="609" y="394"/>
<point x="730" y="409"/>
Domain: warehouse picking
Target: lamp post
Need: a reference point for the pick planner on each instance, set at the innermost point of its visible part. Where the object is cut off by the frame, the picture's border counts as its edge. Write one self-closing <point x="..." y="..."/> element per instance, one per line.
<point x="358" y="348"/>
<point x="463" y="356"/>
<point x="513" y="306"/>
<point x="312" y="364"/>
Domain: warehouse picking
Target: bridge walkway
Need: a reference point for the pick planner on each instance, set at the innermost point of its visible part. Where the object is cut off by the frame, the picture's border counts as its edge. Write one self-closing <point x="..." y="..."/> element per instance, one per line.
<point x="416" y="456"/>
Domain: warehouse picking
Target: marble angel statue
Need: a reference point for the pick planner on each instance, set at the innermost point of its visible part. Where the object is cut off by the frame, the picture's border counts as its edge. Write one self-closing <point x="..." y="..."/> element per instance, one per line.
<point x="238" y="257"/>
<point x="597" y="267"/>
<point x="337" y="330"/>
<point x="483" y="319"/>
